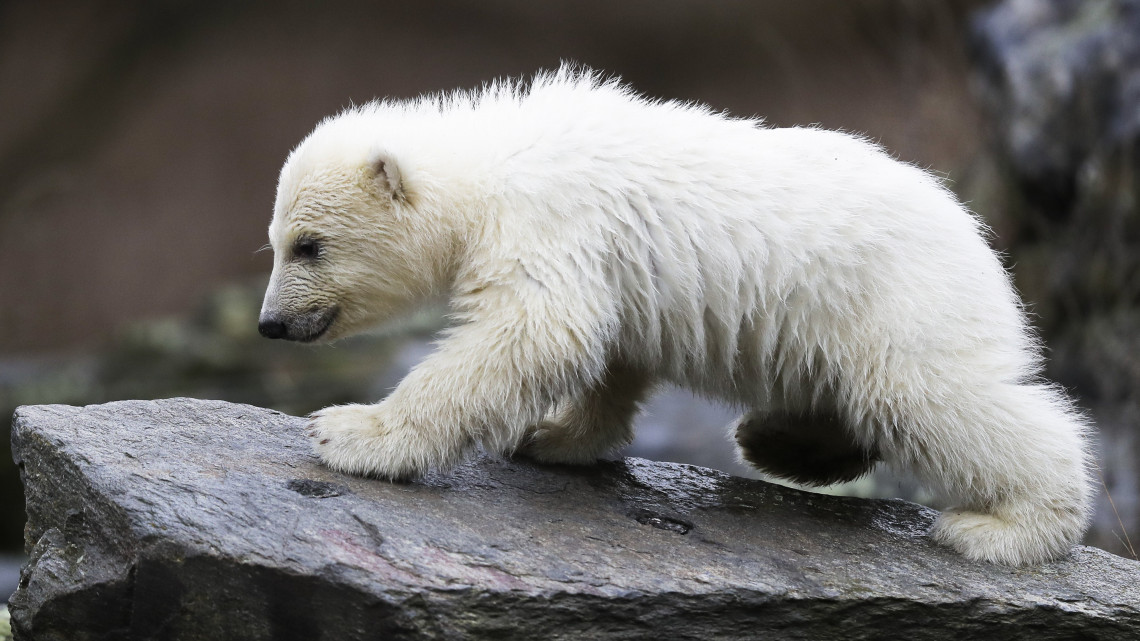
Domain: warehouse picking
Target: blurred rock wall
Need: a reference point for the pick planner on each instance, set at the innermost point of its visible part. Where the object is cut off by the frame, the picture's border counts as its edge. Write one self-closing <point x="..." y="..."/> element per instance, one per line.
<point x="1060" y="82"/>
<point x="141" y="140"/>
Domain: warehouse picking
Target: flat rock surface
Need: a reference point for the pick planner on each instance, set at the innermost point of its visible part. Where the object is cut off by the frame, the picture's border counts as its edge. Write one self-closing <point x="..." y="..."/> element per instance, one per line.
<point x="187" y="519"/>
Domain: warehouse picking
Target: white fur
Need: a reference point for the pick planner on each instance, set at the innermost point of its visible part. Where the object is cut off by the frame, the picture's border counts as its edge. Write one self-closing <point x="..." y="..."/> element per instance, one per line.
<point x="592" y="242"/>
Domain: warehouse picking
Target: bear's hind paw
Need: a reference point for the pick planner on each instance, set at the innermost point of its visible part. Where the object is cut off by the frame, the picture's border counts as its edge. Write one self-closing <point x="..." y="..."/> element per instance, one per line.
<point x="987" y="537"/>
<point x="548" y="442"/>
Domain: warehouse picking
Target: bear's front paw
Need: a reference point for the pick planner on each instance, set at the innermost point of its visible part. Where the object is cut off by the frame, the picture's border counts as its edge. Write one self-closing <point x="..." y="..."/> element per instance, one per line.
<point x="366" y="440"/>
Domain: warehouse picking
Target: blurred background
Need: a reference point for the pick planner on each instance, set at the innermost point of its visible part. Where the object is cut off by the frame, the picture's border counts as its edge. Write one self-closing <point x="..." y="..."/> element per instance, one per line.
<point x="140" y="143"/>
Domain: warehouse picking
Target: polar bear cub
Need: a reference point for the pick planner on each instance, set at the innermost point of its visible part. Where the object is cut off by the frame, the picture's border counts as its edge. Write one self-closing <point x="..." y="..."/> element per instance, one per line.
<point x="593" y="243"/>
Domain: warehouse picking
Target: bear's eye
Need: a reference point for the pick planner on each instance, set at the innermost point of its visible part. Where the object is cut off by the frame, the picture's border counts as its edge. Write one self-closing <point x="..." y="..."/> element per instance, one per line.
<point x="306" y="248"/>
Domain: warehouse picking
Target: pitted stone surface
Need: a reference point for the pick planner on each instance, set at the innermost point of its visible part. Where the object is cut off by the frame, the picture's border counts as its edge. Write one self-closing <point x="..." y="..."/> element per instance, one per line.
<point x="187" y="519"/>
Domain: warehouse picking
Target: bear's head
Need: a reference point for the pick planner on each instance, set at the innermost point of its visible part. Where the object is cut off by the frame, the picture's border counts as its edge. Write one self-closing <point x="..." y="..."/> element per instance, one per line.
<point x="351" y="248"/>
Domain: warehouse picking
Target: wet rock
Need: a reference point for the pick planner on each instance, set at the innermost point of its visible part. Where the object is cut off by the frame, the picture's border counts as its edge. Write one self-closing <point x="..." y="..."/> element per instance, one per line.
<point x="186" y="519"/>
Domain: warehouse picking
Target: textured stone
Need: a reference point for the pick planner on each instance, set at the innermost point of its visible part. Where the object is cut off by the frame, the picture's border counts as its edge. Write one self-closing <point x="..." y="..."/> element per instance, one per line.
<point x="185" y="519"/>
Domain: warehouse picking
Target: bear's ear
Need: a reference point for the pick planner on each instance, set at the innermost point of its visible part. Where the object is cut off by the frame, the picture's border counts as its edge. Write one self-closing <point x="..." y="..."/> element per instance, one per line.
<point x="386" y="173"/>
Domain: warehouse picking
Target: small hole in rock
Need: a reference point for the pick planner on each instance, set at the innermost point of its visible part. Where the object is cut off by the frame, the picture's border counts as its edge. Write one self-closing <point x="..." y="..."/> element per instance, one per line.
<point x="316" y="489"/>
<point x="671" y="524"/>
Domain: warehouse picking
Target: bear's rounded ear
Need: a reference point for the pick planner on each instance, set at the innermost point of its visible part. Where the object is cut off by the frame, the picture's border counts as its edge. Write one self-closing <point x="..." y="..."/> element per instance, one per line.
<point x="386" y="173"/>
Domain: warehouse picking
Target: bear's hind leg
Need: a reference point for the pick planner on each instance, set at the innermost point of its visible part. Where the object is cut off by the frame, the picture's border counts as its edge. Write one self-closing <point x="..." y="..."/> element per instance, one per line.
<point x="1012" y="458"/>
<point x="581" y="430"/>
<point x="810" y="448"/>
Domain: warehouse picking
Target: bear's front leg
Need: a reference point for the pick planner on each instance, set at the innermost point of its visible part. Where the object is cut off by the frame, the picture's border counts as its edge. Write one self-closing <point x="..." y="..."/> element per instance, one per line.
<point x="486" y="384"/>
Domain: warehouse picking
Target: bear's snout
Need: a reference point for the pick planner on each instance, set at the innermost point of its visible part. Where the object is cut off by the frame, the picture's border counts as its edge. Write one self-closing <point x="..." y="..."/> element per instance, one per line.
<point x="271" y="328"/>
<point x="305" y="327"/>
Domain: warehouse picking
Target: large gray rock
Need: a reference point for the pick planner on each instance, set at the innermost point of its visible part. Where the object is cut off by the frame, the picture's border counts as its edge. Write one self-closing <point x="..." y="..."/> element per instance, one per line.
<point x="187" y="519"/>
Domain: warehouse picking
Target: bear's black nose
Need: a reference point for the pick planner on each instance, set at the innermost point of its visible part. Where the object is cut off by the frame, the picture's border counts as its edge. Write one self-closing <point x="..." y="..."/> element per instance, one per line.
<point x="271" y="328"/>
